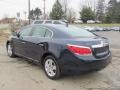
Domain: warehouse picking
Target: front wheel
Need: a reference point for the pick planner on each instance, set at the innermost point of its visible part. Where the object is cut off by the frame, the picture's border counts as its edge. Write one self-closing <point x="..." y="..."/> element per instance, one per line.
<point x="51" y="67"/>
<point x="10" y="50"/>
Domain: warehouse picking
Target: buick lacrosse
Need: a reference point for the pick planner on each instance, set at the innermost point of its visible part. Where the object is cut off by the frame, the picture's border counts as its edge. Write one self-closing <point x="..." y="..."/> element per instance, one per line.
<point x="60" y="49"/>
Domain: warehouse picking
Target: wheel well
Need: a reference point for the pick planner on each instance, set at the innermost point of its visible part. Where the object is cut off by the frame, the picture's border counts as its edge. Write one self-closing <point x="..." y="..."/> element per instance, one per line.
<point x="7" y="43"/>
<point x="44" y="56"/>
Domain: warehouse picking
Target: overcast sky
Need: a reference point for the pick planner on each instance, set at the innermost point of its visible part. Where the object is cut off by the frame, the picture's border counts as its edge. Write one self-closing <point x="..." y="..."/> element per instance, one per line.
<point x="11" y="7"/>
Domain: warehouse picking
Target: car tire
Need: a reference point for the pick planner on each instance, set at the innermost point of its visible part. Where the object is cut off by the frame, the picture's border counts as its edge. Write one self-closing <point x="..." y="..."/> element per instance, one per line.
<point x="51" y="68"/>
<point x="10" y="50"/>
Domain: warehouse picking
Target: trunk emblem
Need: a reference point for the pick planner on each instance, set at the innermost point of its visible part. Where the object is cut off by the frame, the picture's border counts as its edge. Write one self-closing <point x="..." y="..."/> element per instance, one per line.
<point x="102" y="44"/>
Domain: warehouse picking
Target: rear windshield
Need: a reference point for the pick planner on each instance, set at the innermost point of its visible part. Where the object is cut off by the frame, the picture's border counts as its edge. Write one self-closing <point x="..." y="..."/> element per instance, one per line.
<point x="77" y="32"/>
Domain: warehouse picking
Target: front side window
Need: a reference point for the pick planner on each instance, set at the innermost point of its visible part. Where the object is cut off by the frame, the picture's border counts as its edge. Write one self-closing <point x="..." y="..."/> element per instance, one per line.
<point x="25" y="31"/>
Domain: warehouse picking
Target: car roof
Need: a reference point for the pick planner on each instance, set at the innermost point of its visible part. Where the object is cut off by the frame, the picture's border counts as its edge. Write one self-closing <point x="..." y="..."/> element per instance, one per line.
<point x="50" y="25"/>
<point x="45" y="20"/>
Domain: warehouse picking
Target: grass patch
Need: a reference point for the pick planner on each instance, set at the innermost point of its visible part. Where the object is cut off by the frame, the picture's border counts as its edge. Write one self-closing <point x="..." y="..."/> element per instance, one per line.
<point x="4" y="34"/>
<point x="100" y="25"/>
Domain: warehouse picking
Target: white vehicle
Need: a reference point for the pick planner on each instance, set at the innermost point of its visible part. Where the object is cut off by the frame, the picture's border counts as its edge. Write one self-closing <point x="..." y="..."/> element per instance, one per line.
<point x="89" y="28"/>
<point x="115" y="28"/>
<point x="78" y="21"/>
<point x="107" y="28"/>
<point x="99" y="29"/>
<point x="97" y="21"/>
<point x="48" y="22"/>
<point x="90" y="21"/>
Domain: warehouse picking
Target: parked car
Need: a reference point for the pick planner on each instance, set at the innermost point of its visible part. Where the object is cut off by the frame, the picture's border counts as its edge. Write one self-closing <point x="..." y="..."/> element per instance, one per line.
<point x="57" y="22"/>
<point x="90" y="21"/>
<point x="89" y="28"/>
<point x="99" y="29"/>
<point x="78" y="21"/>
<point x="60" y="49"/>
<point x="97" y="21"/>
<point x="107" y="28"/>
<point x="115" y="28"/>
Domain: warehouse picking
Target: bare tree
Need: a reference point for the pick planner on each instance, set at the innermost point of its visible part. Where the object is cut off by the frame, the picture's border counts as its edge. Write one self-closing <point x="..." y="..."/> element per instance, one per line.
<point x="71" y="15"/>
<point x="100" y="10"/>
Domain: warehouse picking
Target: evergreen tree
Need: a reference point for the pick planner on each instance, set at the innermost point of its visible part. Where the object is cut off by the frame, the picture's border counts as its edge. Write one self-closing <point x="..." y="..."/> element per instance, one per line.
<point x="117" y="13"/>
<point x="35" y="14"/>
<point x="32" y="16"/>
<point x="87" y="14"/>
<point x="57" y="12"/>
<point x="65" y="8"/>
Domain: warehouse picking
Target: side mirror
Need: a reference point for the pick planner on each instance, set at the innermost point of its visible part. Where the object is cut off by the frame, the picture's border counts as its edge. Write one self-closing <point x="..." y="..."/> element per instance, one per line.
<point x="16" y="34"/>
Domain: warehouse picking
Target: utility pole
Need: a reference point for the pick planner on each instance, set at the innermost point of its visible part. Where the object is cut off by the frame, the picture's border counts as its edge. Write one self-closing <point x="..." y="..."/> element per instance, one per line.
<point x="29" y="10"/>
<point x="44" y="10"/>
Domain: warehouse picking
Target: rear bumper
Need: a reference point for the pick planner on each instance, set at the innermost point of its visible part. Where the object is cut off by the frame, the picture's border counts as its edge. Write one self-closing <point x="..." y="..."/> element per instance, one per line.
<point x="70" y="64"/>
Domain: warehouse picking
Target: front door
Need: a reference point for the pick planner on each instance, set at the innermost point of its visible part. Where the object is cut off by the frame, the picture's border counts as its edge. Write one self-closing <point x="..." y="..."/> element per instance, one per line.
<point x="38" y="42"/>
<point x="21" y="41"/>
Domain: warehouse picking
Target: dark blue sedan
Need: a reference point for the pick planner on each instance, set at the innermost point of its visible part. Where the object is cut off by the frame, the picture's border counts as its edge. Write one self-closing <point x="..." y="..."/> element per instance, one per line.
<point x="60" y="49"/>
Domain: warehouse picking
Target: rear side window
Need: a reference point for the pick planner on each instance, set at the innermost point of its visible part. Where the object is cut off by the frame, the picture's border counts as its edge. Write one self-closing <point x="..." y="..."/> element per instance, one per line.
<point x="39" y="31"/>
<point x="38" y="22"/>
<point x="48" y="22"/>
<point x="48" y="33"/>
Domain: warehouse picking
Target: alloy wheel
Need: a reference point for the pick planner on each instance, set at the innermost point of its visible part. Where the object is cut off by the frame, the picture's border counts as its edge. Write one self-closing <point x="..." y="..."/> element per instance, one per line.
<point x="50" y="67"/>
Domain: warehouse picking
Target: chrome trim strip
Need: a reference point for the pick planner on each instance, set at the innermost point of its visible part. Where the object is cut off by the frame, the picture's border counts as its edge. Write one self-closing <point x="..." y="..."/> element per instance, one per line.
<point x="23" y="56"/>
<point x="102" y="44"/>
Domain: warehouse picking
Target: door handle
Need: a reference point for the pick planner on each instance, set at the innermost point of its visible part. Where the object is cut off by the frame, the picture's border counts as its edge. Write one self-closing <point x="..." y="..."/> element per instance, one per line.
<point x="41" y="44"/>
<point x="23" y="42"/>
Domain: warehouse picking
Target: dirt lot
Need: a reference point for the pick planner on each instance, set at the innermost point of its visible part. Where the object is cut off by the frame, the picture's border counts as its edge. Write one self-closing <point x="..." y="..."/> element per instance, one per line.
<point x="19" y="74"/>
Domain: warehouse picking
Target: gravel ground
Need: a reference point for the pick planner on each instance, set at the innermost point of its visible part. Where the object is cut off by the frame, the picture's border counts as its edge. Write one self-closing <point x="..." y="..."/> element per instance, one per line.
<point x="19" y="74"/>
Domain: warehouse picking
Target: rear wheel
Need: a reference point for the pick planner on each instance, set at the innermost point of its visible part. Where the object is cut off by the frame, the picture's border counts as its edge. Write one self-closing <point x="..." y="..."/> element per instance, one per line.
<point x="51" y="67"/>
<point x="10" y="50"/>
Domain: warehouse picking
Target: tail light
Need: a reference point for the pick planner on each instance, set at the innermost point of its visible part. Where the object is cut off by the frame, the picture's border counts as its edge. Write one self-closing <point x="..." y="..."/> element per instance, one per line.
<point x="79" y="50"/>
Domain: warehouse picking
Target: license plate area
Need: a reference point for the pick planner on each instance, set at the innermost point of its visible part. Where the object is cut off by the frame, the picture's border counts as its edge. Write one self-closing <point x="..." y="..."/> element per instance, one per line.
<point x="101" y="51"/>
